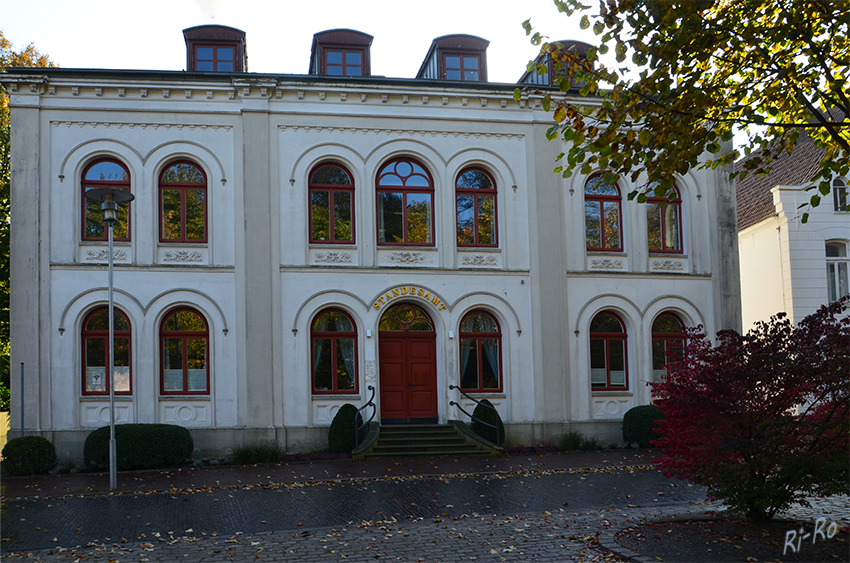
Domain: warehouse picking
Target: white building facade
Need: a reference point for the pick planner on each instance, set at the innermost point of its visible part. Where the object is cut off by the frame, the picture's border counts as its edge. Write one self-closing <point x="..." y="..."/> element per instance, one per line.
<point x="787" y="265"/>
<point x="295" y="240"/>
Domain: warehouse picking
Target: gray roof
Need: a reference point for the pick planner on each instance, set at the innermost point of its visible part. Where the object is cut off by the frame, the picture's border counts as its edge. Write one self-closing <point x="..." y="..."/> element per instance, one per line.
<point x="755" y="202"/>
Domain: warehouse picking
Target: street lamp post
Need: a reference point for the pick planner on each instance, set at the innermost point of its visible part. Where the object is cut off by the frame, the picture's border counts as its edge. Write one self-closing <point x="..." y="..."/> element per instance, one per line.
<point x="109" y="198"/>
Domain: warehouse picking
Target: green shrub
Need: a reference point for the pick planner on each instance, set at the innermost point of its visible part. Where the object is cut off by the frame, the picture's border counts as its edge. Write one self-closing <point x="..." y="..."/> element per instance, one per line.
<point x="341" y="433"/>
<point x="28" y="455"/>
<point x="139" y="446"/>
<point x="489" y="415"/>
<point x="257" y="452"/>
<point x="572" y="440"/>
<point x="590" y="444"/>
<point x="638" y="423"/>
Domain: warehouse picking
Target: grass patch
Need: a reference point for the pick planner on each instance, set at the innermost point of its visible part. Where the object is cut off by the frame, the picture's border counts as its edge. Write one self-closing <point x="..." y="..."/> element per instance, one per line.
<point x="267" y="451"/>
<point x="572" y="441"/>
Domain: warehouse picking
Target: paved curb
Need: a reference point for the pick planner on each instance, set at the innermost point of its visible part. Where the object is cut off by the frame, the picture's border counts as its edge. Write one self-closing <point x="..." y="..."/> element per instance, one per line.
<point x="836" y="507"/>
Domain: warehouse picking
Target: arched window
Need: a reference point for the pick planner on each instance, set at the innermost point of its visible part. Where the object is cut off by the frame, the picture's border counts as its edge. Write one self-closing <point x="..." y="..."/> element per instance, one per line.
<point x="184" y="339"/>
<point x="334" y="344"/>
<point x="405" y="202"/>
<point x="476" y="208"/>
<point x="840" y="199"/>
<point x="602" y="215"/>
<point x="331" y="205"/>
<point x="667" y="344"/>
<point x="183" y="203"/>
<point x="837" y="267"/>
<point x="105" y="173"/>
<point x="405" y="317"/>
<point x="664" y="223"/>
<point x="608" y="353"/>
<point x="95" y="338"/>
<point x="480" y="353"/>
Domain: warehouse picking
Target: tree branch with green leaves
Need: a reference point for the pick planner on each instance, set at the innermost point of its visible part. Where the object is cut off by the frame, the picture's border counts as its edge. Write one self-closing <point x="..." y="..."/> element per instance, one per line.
<point x="699" y="71"/>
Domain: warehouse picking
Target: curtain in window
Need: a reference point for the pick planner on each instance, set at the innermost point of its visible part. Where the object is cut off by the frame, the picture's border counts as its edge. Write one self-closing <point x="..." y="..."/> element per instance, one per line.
<point x="346" y="350"/>
<point x="490" y="351"/>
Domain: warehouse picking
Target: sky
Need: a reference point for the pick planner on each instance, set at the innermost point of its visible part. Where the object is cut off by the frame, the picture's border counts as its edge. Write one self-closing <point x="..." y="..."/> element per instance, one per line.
<point x="128" y="34"/>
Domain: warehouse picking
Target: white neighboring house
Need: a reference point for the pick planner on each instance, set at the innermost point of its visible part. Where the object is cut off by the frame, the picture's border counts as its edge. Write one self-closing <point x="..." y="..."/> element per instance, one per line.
<point x="295" y="239"/>
<point x="787" y="265"/>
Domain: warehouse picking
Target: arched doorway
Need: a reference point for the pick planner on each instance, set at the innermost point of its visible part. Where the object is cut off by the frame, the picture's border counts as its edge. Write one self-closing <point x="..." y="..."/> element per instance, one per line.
<point x="408" y="366"/>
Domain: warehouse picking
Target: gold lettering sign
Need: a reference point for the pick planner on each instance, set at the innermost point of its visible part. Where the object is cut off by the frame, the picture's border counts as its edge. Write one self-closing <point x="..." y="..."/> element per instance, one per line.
<point x="408" y="291"/>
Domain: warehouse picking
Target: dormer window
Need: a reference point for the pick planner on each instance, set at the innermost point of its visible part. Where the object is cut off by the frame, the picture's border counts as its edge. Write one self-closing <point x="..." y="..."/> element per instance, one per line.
<point x="215" y="48"/>
<point x="341" y="52"/>
<point x="211" y="58"/>
<point x="344" y="62"/>
<point x="544" y="63"/>
<point x="456" y="57"/>
<point x="461" y="67"/>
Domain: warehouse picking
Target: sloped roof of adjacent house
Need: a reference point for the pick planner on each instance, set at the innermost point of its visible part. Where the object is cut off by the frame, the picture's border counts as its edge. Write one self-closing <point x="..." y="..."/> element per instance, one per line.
<point x="755" y="202"/>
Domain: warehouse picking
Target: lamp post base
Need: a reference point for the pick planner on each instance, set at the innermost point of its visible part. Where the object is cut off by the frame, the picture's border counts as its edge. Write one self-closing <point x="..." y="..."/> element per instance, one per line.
<point x="113" y="469"/>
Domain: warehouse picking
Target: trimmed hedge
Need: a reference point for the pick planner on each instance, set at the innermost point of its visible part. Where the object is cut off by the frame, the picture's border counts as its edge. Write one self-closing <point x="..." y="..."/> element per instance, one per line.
<point x="341" y="432"/>
<point x="638" y="424"/>
<point x="139" y="446"/>
<point x="28" y="455"/>
<point x="491" y="416"/>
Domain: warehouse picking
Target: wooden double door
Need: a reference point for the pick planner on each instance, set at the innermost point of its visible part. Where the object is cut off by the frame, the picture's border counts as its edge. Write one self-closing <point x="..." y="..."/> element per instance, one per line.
<point x="408" y="367"/>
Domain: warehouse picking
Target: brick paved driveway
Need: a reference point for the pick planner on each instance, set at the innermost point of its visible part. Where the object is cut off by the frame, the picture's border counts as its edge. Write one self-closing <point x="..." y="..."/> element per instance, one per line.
<point x="537" y="514"/>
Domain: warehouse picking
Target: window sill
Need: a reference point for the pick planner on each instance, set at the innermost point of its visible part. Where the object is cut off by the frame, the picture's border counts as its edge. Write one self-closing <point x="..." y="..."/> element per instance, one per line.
<point x="178" y="244"/>
<point x="335" y="396"/>
<point x="118" y="398"/>
<point x="611" y="392"/>
<point x="126" y="243"/>
<point x="606" y="252"/>
<point x="184" y="398"/>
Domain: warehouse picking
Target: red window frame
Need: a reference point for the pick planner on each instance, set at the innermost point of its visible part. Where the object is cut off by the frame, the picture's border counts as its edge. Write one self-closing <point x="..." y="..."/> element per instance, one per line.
<point x="103" y="334"/>
<point x="184" y="336"/>
<point x="476" y="194"/>
<point x="215" y="60"/>
<point x="662" y="205"/>
<point x="390" y="169"/>
<point x="331" y="189"/>
<point x="94" y="208"/>
<point x="343" y="64"/>
<point x="607" y="338"/>
<point x="444" y="70"/>
<point x="183" y="187"/>
<point x="334" y="336"/>
<point x="478" y="337"/>
<point x="671" y="341"/>
<point x="605" y="201"/>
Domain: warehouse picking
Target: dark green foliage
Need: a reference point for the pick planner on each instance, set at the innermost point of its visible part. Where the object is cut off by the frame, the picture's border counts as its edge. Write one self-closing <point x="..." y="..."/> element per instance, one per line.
<point x="638" y="424"/>
<point x="29" y="455"/>
<point x="257" y="452"/>
<point x="572" y="440"/>
<point x="485" y="413"/>
<point x="341" y="433"/>
<point x="5" y="395"/>
<point x="139" y="446"/>
<point x="591" y="444"/>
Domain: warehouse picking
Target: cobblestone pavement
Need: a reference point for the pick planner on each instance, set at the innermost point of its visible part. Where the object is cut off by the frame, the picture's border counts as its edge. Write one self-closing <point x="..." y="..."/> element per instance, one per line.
<point x="546" y="510"/>
<point x="515" y="515"/>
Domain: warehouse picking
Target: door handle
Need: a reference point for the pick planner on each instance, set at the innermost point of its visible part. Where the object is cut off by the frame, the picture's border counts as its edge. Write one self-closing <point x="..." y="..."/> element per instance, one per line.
<point x="410" y="386"/>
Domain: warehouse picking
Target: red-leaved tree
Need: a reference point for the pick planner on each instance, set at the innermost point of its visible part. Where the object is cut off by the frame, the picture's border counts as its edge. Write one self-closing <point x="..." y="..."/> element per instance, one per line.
<point x="761" y="420"/>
